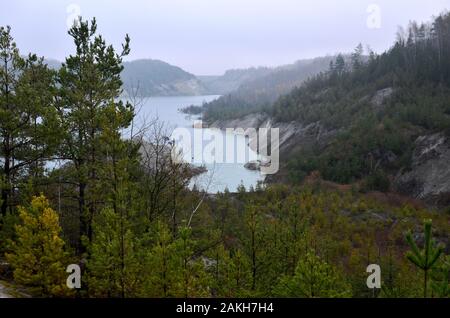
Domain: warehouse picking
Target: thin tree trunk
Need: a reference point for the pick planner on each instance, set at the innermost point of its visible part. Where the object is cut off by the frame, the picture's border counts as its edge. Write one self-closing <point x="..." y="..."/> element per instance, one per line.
<point x="5" y="187"/>
<point x="425" y="284"/>
<point x="253" y="262"/>
<point x="82" y="216"/>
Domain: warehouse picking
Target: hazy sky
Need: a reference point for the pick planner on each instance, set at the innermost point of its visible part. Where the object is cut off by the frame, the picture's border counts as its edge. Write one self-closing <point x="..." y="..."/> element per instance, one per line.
<point x="211" y="36"/>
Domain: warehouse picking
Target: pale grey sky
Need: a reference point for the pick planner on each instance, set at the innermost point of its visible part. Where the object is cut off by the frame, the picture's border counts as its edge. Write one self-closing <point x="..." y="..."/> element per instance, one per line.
<point x="211" y="36"/>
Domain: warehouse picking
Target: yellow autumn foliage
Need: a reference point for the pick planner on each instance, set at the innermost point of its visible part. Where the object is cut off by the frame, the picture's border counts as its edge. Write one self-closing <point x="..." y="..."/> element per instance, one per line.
<point x="37" y="255"/>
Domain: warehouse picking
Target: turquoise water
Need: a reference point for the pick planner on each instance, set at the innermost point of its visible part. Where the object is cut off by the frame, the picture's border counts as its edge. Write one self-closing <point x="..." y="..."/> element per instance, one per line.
<point x="221" y="173"/>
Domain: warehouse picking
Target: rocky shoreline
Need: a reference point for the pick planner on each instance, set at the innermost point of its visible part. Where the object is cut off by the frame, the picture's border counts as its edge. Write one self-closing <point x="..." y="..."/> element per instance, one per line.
<point x="428" y="179"/>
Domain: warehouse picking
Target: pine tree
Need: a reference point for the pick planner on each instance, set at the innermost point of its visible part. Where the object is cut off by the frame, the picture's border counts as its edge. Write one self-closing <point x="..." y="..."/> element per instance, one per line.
<point x="331" y="68"/>
<point x="28" y="125"/>
<point x="114" y="265"/>
<point x="37" y="255"/>
<point x="440" y="278"/>
<point x="115" y="250"/>
<point x="194" y="279"/>
<point x="231" y="274"/>
<point x="313" y="278"/>
<point x="171" y="268"/>
<point x="357" y="57"/>
<point x="426" y="258"/>
<point x="253" y="242"/>
<point x="161" y="269"/>
<point x="90" y="86"/>
<point x="221" y="284"/>
<point x="240" y="274"/>
<point x="339" y="65"/>
<point x="119" y="221"/>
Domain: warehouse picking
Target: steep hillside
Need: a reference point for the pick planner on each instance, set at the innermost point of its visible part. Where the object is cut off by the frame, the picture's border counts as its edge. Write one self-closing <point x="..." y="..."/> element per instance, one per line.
<point x="381" y="124"/>
<point x="232" y="79"/>
<point x="260" y="92"/>
<point x="157" y="78"/>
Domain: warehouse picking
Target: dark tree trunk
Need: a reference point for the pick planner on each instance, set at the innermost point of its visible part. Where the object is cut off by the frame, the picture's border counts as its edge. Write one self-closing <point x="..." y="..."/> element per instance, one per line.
<point x="6" y="187"/>
<point x="82" y="216"/>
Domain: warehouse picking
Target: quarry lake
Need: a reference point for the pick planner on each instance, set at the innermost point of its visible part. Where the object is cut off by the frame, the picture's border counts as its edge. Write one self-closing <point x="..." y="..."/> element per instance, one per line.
<point x="220" y="175"/>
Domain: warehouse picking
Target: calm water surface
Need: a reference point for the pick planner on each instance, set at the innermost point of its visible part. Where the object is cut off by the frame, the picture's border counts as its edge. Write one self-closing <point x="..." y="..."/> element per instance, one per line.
<point x="220" y="175"/>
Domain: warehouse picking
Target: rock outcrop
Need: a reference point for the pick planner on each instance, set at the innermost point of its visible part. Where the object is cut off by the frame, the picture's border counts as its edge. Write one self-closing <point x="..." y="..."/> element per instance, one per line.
<point x="380" y="97"/>
<point x="293" y="136"/>
<point x="429" y="177"/>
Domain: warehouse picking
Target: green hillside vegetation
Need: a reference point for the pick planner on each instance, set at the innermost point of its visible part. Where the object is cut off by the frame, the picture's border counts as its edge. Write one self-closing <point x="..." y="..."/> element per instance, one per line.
<point x="414" y="76"/>
<point x="259" y="93"/>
